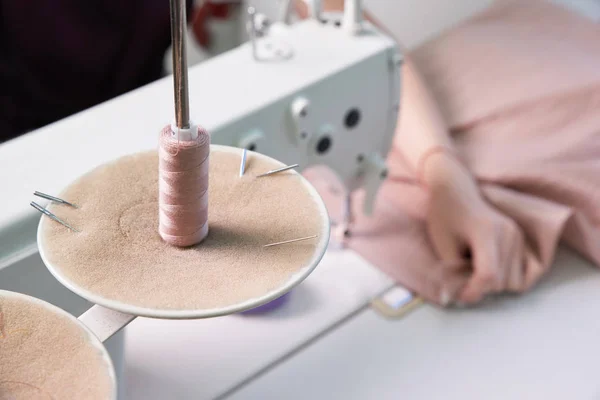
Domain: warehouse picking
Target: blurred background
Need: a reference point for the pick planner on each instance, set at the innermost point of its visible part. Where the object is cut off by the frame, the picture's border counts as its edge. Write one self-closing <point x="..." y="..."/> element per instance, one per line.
<point x="412" y="21"/>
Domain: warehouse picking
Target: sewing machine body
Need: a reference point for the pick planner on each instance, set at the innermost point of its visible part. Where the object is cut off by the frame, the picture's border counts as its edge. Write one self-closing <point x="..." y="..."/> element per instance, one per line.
<point x="314" y="108"/>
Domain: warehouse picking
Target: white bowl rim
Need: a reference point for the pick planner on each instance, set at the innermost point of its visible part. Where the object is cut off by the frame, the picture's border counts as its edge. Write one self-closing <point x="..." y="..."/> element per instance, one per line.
<point x="292" y="282"/>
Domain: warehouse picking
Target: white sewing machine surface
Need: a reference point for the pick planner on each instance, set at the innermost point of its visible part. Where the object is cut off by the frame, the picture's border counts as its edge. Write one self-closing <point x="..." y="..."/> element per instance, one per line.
<point x="326" y="342"/>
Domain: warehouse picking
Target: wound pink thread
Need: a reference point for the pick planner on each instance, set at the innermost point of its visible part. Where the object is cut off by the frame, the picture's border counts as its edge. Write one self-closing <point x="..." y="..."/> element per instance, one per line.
<point x="183" y="188"/>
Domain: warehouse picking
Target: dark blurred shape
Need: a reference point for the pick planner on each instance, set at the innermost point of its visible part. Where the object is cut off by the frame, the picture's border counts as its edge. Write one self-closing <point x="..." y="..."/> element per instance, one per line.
<point x="63" y="56"/>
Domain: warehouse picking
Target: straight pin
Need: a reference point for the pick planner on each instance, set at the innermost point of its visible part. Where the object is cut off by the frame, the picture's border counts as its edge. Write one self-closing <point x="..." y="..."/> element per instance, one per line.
<point x="51" y="216"/>
<point x="276" y="171"/>
<point x="290" y="241"/>
<point x="54" y="199"/>
<point x="243" y="163"/>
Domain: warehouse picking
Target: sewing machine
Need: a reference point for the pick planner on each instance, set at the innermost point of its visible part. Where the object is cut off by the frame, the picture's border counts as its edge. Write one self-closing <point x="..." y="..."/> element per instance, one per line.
<point x="327" y="334"/>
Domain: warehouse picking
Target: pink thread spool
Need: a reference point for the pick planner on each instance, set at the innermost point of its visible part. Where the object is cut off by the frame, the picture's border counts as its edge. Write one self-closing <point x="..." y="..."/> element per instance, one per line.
<point x="183" y="185"/>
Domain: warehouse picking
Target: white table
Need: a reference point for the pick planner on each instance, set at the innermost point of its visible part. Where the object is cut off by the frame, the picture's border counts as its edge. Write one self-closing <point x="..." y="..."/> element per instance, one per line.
<point x="328" y="344"/>
<point x="544" y="345"/>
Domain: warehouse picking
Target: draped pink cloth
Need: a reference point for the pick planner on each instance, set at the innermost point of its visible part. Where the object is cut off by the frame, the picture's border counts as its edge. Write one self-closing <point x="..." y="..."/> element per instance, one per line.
<point x="519" y="86"/>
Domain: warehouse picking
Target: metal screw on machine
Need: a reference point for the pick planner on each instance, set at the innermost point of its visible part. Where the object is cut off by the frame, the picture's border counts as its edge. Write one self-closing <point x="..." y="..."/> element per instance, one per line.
<point x="261" y="24"/>
<point x="258" y="27"/>
<point x="269" y="49"/>
<point x="398" y="60"/>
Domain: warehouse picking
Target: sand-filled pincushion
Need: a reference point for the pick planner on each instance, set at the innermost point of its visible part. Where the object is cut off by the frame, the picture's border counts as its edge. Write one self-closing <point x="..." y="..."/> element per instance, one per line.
<point x="46" y="354"/>
<point x="119" y="260"/>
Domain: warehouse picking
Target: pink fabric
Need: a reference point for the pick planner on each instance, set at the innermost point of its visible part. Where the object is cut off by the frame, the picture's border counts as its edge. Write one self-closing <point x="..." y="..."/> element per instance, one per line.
<point x="519" y="86"/>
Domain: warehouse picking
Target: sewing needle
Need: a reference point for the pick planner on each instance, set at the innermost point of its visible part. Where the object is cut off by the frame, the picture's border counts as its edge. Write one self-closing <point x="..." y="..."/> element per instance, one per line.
<point x="290" y="241"/>
<point x="243" y="163"/>
<point x="54" y="199"/>
<point x="51" y="216"/>
<point x="275" y="171"/>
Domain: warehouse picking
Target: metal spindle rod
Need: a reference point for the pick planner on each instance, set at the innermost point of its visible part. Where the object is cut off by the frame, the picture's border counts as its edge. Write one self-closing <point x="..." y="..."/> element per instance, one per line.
<point x="180" y="73"/>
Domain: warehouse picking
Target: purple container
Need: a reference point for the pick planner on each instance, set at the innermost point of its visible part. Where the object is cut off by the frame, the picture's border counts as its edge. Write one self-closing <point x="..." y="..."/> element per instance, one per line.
<point x="268" y="307"/>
